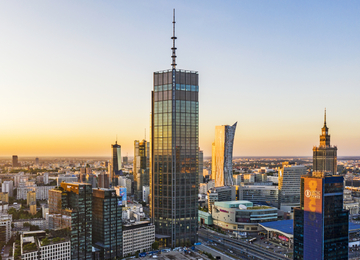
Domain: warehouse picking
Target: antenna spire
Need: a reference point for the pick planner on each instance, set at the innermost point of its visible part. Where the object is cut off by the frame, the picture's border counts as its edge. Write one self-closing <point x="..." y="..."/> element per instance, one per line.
<point x="325" y="117"/>
<point x="173" y="56"/>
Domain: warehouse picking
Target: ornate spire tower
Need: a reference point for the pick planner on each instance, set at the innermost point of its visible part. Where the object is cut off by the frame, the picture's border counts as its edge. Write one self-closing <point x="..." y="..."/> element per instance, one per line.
<point x="325" y="156"/>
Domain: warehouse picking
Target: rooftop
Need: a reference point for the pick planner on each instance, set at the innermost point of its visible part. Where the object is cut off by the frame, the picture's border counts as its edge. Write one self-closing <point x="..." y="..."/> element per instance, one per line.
<point x="233" y="204"/>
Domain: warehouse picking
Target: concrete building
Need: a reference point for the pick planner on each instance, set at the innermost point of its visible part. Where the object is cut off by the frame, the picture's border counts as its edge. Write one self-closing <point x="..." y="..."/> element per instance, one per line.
<point x="5" y="227"/>
<point x="260" y="194"/>
<point x="68" y="178"/>
<point x="138" y="236"/>
<point x="241" y="215"/>
<point x="31" y="198"/>
<point x="4" y="197"/>
<point x="222" y="155"/>
<point x="225" y="193"/>
<point x="42" y="192"/>
<point x="7" y="186"/>
<point x="33" y="247"/>
<point x="127" y="183"/>
<point x="289" y="185"/>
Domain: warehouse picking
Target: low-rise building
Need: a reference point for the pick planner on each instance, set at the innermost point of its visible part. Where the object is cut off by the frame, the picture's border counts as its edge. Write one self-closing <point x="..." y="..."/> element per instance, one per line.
<point x="260" y="194"/>
<point x="138" y="236"/>
<point x="5" y="227"/>
<point x="241" y="215"/>
<point x="223" y="193"/>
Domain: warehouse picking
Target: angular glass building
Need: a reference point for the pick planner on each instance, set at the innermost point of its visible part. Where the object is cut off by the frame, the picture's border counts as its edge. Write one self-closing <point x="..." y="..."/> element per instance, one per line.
<point x="141" y="165"/>
<point x="116" y="161"/>
<point x="320" y="223"/>
<point x="174" y="155"/>
<point x="222" y="152"/>
<point x="107" y="223"/>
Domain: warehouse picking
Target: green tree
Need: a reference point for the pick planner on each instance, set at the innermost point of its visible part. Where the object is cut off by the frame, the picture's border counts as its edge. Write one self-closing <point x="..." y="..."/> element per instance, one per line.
<point x="155" y="245"/>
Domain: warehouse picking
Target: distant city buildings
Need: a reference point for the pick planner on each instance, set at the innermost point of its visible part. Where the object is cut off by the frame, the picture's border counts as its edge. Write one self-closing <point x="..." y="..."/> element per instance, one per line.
<point x="222" y="152"/>
<point x="325" y="156"/>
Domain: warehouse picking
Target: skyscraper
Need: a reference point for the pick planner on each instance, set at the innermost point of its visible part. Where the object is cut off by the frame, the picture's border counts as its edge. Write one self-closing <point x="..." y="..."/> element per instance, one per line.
<point x="15" y="162"/>
<point x="320" y="223"/>
<point x="107" y="223"/>
<point x="116" y="161"/>
<point x="289" y="185"/>
<point x="141" y="165"/>
<point x="222" y="151"/>
<point x="201" y="166"/>
<point x="325" y="156"/>
<point x="174" y="154"/>
<point x="77" y="199"/>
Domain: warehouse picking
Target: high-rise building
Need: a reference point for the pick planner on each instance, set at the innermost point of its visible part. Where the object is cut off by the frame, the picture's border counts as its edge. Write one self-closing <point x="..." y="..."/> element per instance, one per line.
<point x="116" y="161"/>
<point x="103" y="180"/>
<point x="125" y="160"/>
<point x="222" y="155"/>
<point x="37" y="161"/>
<point x="289" y="185"/>
<point x="325" y="156"/>
<point x="7" y="186"/>
<point x="77" y="197"/>
<point x="107" y="223"/>
<point x="15" y="161"/>
<point x="31" y="198"/>
<point x="174" y="154"/>
<point x="201" y="166"/>
<point x="141" y="165"/>
<point x="320" y="223"/>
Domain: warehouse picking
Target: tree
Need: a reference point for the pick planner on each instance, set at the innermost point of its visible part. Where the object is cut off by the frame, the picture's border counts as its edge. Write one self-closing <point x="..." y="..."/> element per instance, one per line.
<point x="155" y="245"/>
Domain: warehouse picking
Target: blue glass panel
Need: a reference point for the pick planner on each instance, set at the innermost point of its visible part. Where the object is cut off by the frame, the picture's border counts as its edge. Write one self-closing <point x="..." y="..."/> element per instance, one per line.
<point x="177" y="86"/>
<point x="188" y="87"/>
<point x="182" y="87"/>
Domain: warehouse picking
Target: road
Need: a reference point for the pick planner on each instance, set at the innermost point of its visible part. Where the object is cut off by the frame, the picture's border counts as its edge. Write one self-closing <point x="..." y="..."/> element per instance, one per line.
<point x="214" y="252"/>
<point x="240" y="247"/>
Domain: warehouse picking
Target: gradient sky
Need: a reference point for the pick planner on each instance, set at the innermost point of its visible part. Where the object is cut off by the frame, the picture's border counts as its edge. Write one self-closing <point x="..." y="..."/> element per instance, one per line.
<point x="74" y="74"/>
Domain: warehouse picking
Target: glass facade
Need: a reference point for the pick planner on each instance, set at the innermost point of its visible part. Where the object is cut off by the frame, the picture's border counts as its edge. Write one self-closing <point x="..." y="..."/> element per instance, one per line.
<point x="116" y="161"/>
<point x="78" y="198"/>
<point x="141" y="165"/>
<point x="320" y="224"/>
<point x="107" y="223"/>
<point x="222" y="155"/>
<point x="174" y="167"/>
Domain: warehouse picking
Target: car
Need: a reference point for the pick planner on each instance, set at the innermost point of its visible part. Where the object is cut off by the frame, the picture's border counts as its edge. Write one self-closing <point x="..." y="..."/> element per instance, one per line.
<point x="231" y="251"/>
<point x="267" y="247"/>
<point x="279" y="246"/>
<point x="154" y="256"/>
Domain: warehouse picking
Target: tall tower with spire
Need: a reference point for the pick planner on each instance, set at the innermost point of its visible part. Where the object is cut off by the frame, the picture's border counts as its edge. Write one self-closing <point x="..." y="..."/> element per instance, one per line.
<point x="174" y="165"/>
<point x="325" y="156"/>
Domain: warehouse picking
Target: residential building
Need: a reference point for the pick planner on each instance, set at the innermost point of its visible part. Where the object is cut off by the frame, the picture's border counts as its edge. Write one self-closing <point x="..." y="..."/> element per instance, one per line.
<point x="7" y="186"/>
<point x="321" y="225"/>
<point x="241" y="215"/>
<point x="222" y="155"/>
<point x="68" y="178"/>
<point x="4" y="197"/>
<point x="31" y="198"/>
<point x="107" y="223"/>
<point x="325" y="156"/>
<point x="42" y="192"/>
<point x="289" y="185"/>
<point x="174" y="154"/>
<point x="138" y="236"/>
<point x="5" y="227"/>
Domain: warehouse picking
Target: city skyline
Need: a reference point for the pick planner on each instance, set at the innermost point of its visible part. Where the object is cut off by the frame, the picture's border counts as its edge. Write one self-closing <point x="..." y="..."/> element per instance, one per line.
<point x="78" y="71"/>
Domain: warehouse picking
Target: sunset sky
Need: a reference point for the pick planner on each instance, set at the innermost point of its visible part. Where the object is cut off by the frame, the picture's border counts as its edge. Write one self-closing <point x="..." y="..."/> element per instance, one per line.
<point x="74" y="74"/>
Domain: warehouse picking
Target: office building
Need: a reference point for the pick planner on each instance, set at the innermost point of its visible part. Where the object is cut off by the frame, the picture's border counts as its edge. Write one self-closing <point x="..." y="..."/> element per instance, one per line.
<point x="125" y="160"/>
<point x="145" y="194"/>
<point x="7" y="186"/>
<point x="141" y="165"/>
<point x="222" y="155"/>
<point x="174" y="154"/>
<point x="224" y="193"/>
<point x="138" y="236"/>
<point x="201" y="166"/>
<point x="321" y="225"/>
<point x="107" y="223"/>
<point x="289" y="185"/>
<point x="104" y="180"/>
<point x="325" y="156"/>
<point x="260" y="194"/>
<point x="127" y="183"/>
<point x="15" y="161"/>
<point x="115" y="162"/>
<point x="74" y="201"/>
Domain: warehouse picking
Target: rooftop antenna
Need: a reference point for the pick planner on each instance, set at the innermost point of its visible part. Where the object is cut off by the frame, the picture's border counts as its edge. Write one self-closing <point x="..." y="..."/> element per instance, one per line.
<point x="173" y="56"/>
<point x="325" y="117"/>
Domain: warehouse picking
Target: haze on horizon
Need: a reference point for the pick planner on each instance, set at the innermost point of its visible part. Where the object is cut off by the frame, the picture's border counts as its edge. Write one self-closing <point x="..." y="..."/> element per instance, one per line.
<point x="74" y="75"/>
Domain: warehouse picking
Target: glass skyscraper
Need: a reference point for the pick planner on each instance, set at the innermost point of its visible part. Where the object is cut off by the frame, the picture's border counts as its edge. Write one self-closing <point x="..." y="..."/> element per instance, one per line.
<point x="222" y="152"/>
<point x="174" y="154"/>
<point x="107" y="223"/>
<point x="116" y="161"/>
<point x="141" y="166"/>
